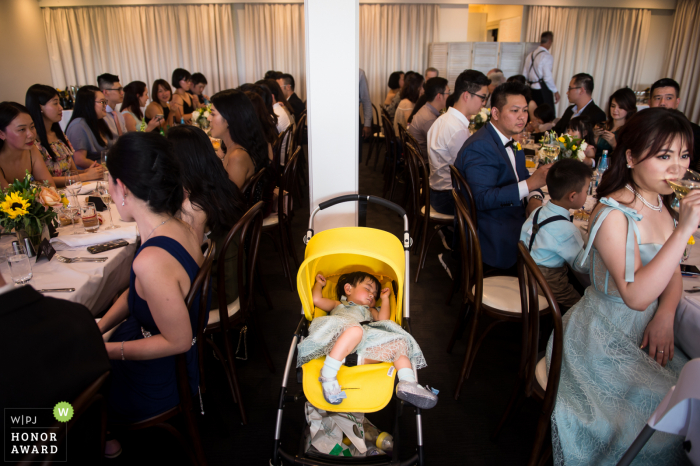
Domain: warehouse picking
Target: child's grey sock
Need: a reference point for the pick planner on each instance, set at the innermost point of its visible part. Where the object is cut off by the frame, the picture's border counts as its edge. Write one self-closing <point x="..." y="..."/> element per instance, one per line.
<point x="330" y="370"/>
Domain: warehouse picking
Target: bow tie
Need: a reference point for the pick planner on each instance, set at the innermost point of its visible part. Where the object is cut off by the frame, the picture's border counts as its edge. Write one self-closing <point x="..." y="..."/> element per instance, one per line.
<point x="510" y="144"/>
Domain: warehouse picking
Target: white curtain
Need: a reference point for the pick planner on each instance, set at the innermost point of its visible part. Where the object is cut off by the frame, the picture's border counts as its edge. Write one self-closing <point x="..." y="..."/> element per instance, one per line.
<point x="683" y="61"/>
<point x="141" y="43"/>
<point x="273" y="39"/>
<point x="607" y="43"/>
<point x="392" y="38"/>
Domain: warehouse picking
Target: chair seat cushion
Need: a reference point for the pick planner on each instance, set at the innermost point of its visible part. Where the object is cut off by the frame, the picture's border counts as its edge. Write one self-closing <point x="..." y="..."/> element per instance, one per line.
<point x="271" y="220"/>
<point x="435" y="214"/>
<point x="233" y="308"/>
<point x="369" y="387"/>
<point x="503" y="293"/>
<point x="541" y="373"/>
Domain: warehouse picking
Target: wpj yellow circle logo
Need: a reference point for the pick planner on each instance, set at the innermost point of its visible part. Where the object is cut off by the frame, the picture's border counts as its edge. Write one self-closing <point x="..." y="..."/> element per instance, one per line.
<point x="63" y="411"/>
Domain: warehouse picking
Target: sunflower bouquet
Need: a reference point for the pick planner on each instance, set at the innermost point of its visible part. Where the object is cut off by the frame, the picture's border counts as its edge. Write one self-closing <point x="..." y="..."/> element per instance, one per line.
<point x="24" y="206"/>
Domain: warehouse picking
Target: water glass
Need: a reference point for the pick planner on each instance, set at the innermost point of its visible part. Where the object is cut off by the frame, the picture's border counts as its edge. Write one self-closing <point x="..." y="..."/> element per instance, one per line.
<point x="73" y="183"/>
<point x="88" y="215"/>
<point x="20" y="267"/>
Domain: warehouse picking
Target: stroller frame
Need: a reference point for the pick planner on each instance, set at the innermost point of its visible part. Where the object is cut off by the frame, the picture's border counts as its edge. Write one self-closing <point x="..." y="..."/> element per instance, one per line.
<point x="279" y="456"/>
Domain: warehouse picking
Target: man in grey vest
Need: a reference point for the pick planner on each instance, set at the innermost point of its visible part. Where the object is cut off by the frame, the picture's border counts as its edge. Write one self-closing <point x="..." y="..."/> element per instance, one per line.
<point x="538" y="72"/>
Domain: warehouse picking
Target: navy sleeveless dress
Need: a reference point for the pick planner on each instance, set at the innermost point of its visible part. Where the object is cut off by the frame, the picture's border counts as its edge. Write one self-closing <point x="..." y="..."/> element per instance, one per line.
<point x="143" y="389"/>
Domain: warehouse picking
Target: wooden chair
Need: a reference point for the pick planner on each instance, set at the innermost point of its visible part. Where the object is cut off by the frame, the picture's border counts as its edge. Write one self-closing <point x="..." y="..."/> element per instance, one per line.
<point x="282" y="219"/>
<point x="91" y="396"/>
<point x="186" y="407"/>
<point x="413" y="189"/>
<point x="390" y="159"/>
<point x="375" y="142"/>
<point x="249" y="186"/>
<point x="494" y="297"/>
<point x="427" y="219"/>
<point x="282" y="138"/>
<point x="240" y="312"/>
<point x="533" y="379"/>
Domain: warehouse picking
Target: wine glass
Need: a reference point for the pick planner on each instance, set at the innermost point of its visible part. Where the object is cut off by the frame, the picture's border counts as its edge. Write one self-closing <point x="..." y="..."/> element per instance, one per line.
<point x="103" y="191"/>
<point x="103" y="161"/>
<point x="71" y="211"/>
<point x="73" y="183"/>
<point x="687" y="181"/>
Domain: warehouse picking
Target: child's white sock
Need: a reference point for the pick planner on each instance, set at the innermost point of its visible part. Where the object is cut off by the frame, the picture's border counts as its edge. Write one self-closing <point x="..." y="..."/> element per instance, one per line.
<point x="406" y="374"/>
<point x="330" y="370"/>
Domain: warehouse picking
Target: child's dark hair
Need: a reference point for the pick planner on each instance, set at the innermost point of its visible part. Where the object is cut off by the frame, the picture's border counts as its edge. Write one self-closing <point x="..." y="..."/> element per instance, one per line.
<point x="567" y="176"/>
<point x="585" y="128"/>
<point x="355" y="278"/>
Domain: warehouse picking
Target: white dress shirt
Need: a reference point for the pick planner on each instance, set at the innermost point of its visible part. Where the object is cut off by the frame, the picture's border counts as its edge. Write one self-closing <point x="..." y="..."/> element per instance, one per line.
<point x="282" y="124"/>
<point x="542" y="68"/>
<point x="523" y="190"/>
<point x="445" y="138"/>
<point x="110" y="120"/>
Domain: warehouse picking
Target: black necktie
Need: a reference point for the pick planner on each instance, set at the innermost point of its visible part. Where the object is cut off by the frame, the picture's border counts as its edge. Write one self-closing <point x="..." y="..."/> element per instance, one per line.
<point x="510" y="144"/>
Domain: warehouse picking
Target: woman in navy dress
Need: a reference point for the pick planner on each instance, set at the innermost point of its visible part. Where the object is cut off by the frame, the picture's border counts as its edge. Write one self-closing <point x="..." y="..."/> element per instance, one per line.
<point x="145" y="183"/>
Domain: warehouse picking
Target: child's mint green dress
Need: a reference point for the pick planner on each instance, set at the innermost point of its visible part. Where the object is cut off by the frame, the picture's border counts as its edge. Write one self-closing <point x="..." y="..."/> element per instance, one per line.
<point x="609" y="386"/>
<point x="383" y="340"/>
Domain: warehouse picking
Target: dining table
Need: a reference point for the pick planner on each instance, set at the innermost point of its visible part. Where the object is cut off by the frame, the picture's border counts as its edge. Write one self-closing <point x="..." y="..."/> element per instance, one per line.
<point x="96" y="284"/>
<point x="687" y="324"/>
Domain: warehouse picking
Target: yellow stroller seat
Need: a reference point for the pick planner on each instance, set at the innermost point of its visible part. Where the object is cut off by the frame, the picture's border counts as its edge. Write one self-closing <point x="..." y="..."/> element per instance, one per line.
<point x="333" y="252"/>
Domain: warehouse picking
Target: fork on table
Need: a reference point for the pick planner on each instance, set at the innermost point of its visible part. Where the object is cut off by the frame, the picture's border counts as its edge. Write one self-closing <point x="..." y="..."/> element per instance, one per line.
<point x="68" y="260"/>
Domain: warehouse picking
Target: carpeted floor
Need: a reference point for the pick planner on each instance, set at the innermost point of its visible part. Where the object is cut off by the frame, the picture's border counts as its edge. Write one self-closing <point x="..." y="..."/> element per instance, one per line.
<point x="455" y="432"/>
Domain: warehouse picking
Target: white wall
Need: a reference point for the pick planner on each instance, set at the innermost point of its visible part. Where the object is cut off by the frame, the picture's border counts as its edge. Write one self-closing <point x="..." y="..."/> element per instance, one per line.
<point x="23" y="54"/>
<point x="453" y="21"/>
<point x="657" y="47"/>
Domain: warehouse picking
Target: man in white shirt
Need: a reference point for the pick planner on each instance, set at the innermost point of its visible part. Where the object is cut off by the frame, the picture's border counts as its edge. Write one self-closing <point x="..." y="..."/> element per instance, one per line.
<point x="538" y="72"/>
<point x="114" y="93"/>
<point x="448" y="134"/>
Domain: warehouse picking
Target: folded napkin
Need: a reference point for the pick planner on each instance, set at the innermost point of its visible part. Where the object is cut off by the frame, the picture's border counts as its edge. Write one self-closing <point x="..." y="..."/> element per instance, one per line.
<point x="126" y="232"/>
<point x="88" y="188"/>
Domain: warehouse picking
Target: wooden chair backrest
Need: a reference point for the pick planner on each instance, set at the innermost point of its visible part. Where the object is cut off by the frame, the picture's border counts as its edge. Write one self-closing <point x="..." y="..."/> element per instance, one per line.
<point x="470" y="252"/>
<point x="389" y="136"/>
<point x="277" y="146"/>
<point x="287" y="185"/>
<point x="462" y="187"/>
<point x="530" y="277"/>
<point x="249" y="187"/>
<point x="414" y="178"/>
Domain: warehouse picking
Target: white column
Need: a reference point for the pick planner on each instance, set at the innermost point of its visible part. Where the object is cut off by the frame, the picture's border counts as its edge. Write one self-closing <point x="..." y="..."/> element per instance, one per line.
<point x="332" y="89"/>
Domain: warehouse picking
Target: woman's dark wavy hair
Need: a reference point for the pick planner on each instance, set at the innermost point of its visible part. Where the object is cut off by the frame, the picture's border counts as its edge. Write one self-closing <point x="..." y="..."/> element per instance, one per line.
<point x="205" y="179"/>
<point x="144" y="162"/>
<point x="265" y="94"/>
<point x="243" y="124"/>
<point x="154" y="90"/>
<point x="584" y="126"/>
<point x="38" y="95"/>
<point x="8" y="112"/>
<point x="85" y="109"/>
<point x="411" y="87"/>
<point x="132" y="92"/>
<point x="626" y="100"/>
<point x="394" y="79"/>
<point x="354" y="278"/>
<point x="644" y="135"/>
<point x="268" y="125"/>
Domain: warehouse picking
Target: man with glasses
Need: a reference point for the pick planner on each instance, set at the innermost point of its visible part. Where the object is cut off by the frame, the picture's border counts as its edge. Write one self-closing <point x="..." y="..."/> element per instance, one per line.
<point x="286" y="82"/>
<point x="579" y="94"/>
<point x="666" y="93"/>
<point x="448" y="134"/>
<point x="436" y="93"/>
<point x="114" y="93"/>
<point x="493" y="164"/>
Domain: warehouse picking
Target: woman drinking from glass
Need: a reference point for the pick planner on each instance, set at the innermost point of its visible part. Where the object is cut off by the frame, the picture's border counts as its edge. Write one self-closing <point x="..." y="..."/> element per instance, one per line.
<point x="18" y="152"/>
<point x="46" y="111"/>
<point x="87" y="131"/>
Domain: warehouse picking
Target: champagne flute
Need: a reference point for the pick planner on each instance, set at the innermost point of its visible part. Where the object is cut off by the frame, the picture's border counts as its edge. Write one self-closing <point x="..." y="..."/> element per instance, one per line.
<point x="103" y="191"/>
<point x="73" y="183"/>
<point x="686" y="181"/>
<point x="103" y="161"/>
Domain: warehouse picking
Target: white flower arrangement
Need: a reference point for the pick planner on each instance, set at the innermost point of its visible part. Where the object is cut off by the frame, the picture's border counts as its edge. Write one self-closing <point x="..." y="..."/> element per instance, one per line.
<point x="200" y="117"/>
<point x="481" y="118"/>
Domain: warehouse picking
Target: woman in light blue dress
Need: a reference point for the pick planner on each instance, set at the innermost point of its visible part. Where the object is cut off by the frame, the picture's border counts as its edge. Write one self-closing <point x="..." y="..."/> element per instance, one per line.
<point x="619" y="359"/>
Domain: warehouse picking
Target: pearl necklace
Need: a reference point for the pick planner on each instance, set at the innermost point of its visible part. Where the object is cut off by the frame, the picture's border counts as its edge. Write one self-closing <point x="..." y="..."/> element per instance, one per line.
<point x="645" y="202"/>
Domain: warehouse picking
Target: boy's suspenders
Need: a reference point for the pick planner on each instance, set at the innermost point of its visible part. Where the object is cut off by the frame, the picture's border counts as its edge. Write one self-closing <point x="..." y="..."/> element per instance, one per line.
<point x="536" y="226"/>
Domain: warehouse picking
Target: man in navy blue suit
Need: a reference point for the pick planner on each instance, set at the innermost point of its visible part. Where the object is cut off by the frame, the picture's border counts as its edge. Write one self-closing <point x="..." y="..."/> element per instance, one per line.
<point x="504" y="191"/>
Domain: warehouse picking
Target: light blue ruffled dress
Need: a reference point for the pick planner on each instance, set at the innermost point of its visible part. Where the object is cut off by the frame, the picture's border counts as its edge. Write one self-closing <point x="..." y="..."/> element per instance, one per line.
<point x="382" y="340"/>
<point x="609" y="386"/>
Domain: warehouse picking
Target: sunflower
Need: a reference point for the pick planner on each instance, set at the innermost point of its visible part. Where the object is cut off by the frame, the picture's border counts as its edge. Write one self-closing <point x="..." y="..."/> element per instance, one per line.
<point x="14" y="205"/>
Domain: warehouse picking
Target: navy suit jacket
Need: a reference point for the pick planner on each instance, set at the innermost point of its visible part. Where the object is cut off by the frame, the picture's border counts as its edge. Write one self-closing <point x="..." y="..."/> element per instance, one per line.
<point x="485" y="165"/>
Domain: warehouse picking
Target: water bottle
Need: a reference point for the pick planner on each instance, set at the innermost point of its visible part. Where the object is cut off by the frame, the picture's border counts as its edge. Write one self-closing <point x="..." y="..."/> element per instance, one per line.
<point x="602" y="166"/>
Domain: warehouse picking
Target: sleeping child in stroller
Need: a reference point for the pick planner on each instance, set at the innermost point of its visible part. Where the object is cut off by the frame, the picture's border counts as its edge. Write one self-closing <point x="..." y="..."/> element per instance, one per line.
<point x="356" y="325"/>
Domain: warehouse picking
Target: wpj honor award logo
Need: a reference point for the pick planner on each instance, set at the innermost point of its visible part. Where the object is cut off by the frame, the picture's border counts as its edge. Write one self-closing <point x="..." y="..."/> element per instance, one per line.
<point x="34" y="434"/>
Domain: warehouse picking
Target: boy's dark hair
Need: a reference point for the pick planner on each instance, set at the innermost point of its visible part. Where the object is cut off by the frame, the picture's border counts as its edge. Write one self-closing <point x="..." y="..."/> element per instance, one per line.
<point x="567" y="176"/>
<point x="355" y="278"/>
<point x="199" y="78"/>
<point x="289" y="80"/>
<point x="469" y="81"/>
<point x="665" y="82"/>
<point x="106" y="80"/>
<point x="433" y="87"/>
<point x="501" y="93"/>
<point x="545" y="113"/>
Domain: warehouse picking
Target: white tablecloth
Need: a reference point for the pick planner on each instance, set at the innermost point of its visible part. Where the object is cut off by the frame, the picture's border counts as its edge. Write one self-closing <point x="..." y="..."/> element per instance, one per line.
<point x="687" y="325"/>
<point x="95" y="283"/>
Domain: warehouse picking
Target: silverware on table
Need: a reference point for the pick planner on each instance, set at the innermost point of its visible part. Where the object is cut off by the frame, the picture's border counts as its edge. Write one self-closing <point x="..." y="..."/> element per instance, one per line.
<point x="57" y="290"/>
<point x="68" y="260"/>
